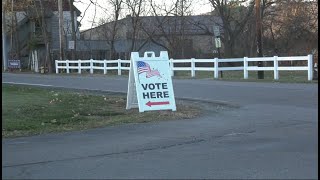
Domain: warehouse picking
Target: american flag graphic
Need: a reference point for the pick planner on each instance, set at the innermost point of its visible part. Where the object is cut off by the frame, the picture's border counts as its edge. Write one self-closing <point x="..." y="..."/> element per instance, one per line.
<point x="145" y="68"/>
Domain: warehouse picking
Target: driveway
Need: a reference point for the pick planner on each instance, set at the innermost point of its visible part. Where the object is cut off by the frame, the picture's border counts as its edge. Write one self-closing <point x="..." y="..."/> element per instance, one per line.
<point x="273" y="134"/>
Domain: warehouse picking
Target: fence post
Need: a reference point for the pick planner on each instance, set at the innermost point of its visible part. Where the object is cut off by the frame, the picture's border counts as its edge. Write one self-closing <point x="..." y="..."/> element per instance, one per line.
<point x="79" y="66"/>
<point x="192" y="67"/>
<point x="315" y="71"/>
<point x="91" y="66"/>
<point x="216" y="68"/>
<point x="171" y="67"/>
<point x="310" y="67"/>
<point x="57" y="70"/>
<point x="67" y="64"/>
<point x="245" y="68"/>
<point x="275" y="66"/>
<point x="119" y="67"/>
<point x="104" y="66"/>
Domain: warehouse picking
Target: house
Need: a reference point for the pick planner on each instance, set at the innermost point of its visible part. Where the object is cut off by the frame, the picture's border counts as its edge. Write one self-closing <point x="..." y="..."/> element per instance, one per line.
<point x="182" y="37"/>
<point x="25" y="37"/>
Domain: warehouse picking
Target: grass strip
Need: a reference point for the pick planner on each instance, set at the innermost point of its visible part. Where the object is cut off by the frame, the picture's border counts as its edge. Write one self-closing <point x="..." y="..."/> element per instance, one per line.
<point x="28" y="110"/>
<point x="284" y="76"/>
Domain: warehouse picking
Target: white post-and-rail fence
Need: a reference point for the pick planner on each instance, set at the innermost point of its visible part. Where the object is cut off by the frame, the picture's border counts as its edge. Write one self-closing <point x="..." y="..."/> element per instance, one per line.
<point x="92" y="65"/>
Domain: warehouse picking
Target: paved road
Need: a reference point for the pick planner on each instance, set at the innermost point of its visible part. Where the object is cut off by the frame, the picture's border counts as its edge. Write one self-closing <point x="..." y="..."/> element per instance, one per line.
<point x="274" y="134"/>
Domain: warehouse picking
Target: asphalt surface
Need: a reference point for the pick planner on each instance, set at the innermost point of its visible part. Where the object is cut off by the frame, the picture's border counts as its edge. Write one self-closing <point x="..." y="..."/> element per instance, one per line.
<point x="272" y="135"/>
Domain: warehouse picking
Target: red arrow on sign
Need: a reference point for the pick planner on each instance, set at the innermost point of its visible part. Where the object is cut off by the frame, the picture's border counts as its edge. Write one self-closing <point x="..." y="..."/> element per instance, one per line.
<point x="157" y="103"/>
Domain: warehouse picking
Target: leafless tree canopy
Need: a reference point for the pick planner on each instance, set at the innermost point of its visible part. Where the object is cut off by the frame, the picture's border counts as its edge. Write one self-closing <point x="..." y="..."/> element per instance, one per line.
<point x="289" y="27"/>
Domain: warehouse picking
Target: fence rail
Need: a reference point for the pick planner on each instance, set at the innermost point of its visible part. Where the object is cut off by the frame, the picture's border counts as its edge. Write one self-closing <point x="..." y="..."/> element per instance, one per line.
<point x="106" y="65"/>
<point x="92" y="65"/>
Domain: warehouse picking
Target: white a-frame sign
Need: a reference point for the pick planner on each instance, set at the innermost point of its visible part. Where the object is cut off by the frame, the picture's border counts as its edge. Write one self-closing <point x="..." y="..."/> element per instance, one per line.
<point x="150" y="85"/>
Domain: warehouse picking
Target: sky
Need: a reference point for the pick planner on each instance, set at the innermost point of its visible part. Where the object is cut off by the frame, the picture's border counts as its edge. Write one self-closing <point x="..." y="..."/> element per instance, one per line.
<point x="200" y="7"/>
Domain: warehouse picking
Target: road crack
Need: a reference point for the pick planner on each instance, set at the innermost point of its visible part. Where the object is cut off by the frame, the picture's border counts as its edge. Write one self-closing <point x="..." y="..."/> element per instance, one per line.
<point x="193" y="141"/>
<point x="108" y="154"/>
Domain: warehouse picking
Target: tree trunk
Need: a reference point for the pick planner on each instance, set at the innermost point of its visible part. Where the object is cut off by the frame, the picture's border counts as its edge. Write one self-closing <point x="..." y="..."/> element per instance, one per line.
<point x="60" y="28"/>
<point x="17" y="39"/>
<point x="4" y="43"/>
<point x="45" y="34"/>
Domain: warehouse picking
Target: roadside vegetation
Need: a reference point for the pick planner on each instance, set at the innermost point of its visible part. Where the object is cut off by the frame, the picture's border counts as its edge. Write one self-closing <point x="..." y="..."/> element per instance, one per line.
<point x="28" y="110"/>
<point x="284" y="76"/>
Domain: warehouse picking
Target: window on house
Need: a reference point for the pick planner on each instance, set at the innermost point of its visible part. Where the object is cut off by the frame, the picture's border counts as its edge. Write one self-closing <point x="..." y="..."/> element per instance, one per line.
<point x="37" y="28"/>
<point x="67" y="27"/>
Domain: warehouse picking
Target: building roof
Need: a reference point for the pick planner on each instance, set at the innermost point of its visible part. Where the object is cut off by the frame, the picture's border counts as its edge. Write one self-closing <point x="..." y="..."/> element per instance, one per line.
<point x="199" y="24"/>
<point x="20" y="5"/>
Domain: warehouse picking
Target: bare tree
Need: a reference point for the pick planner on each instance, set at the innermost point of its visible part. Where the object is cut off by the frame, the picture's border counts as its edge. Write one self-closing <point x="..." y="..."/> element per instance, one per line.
<point x="10" y="8"/>
<point x="46" y="38"/>
<point x="234" y="16"/>
<point x="291" y="27"/>
<point x="182" y="9"/>
<point x="169" y="29"/>
<point x="135" y="8"/>
<point x="92" y="24"/>
<point x="18" y="11"/>
<point x="37" y="10"/>
<point x="15" y="35"/>
<point x="165" y="28"/>
<point x="110" y="31"/>
<point x="116" y="10"/>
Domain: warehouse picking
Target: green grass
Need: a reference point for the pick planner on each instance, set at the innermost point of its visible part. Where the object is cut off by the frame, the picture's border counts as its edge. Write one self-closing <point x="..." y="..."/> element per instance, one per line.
<point x="29" y="110"/>
<point x="284" y="76"/>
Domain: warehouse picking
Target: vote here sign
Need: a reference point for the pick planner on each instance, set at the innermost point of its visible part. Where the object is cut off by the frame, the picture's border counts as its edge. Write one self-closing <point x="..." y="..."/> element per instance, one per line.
<point x="150" y="82"/>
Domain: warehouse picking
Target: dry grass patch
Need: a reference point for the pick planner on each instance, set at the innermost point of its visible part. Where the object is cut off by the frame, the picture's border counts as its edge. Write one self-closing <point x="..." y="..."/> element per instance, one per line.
<point x="30" y="110"/>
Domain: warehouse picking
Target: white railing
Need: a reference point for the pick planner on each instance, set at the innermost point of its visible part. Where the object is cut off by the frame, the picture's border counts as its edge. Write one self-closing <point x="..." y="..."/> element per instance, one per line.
<point x="92" y="65"/>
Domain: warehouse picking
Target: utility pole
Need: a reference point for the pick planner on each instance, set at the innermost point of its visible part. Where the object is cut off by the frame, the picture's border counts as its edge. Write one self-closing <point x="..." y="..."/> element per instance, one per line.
<point x="11" y="30"/>
<point x="182" y="29"/>
<point x="259" y="37"/>
<point x="73" y="29"/>
<point x="60" y="28"/>
<point x="4" y="44"/>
